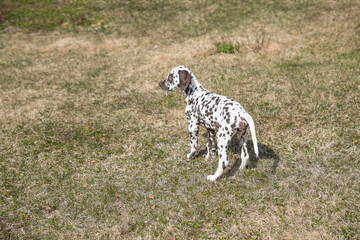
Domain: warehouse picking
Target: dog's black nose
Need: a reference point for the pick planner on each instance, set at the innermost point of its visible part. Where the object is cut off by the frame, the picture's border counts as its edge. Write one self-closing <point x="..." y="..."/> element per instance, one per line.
<point x="162" y="85"/>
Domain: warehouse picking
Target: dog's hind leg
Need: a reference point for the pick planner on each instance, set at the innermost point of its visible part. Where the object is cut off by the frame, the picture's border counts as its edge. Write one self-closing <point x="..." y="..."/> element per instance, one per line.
<point x="223" y="140"/>
<point x="211" y="145"/>
<point x="244" y="153"/>
<point x="243" y="137"/>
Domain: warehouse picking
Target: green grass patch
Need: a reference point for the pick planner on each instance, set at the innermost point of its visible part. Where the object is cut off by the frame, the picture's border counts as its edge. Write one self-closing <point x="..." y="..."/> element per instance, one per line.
<point x="35" y="15"/>
<point x="223" y="47"/>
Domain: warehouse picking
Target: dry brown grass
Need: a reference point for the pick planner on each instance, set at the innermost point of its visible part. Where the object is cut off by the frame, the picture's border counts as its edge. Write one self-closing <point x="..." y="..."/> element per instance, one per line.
<point x="91" y="148"/>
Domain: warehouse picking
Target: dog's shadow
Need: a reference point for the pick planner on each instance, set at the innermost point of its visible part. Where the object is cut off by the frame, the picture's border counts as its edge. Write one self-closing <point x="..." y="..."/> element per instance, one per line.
<point x="265" y="152"/>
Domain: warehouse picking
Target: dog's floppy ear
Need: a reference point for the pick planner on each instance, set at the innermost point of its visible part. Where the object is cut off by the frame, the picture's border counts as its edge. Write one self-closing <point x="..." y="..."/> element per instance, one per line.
<point x="185" y="79"/>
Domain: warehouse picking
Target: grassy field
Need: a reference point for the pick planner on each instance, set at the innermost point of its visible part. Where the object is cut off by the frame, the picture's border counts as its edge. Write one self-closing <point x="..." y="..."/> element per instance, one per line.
<point x="91" y="148"/>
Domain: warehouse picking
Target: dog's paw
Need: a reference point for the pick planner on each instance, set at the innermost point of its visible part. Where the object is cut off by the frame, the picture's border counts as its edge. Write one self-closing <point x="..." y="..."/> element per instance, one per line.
<point x="243" y="167"/>
<point x="191" y="155"/>
<point x="211" y="178"/>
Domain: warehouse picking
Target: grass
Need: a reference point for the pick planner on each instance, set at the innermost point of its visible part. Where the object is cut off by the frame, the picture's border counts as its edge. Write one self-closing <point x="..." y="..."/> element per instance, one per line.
<point x="33" y="15"/>
<point x="90" y="147"/>
<point x="223" y="47"/>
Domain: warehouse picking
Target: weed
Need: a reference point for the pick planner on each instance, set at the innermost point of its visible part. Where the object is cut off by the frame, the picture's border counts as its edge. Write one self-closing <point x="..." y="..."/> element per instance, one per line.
<point x="223" y="47"/>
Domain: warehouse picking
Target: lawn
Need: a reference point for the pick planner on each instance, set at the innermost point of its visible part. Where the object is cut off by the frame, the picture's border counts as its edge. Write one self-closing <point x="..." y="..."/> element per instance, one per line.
<point x="92" y="148"/>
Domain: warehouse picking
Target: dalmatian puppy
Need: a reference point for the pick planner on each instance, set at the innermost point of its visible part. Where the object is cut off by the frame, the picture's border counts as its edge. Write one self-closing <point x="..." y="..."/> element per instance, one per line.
<point x="220" y="115"/>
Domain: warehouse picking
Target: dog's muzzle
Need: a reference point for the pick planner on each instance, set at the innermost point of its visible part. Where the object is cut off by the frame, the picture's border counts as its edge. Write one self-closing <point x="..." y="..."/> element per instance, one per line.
<point x="163" y="86"/>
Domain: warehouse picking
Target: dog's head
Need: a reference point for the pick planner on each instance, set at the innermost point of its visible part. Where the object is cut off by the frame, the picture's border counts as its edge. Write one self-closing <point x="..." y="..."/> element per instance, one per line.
<point x="178" y="78"/>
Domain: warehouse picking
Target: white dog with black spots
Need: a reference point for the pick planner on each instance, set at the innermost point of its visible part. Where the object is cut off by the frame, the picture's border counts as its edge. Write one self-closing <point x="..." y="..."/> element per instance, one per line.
<point x="220" y="115"/>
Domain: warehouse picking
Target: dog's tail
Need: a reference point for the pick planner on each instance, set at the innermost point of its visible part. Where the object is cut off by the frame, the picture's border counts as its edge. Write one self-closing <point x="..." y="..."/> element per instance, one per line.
<point x="250" y="121"/>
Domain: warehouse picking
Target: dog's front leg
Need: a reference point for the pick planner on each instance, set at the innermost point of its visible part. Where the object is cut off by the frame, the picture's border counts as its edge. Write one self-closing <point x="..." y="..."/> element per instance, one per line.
<point x="193" y="131"/>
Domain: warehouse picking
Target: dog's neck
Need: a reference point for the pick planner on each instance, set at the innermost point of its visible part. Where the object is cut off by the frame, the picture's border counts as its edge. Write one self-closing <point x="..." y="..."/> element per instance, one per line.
<point x="193" y="86"/>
